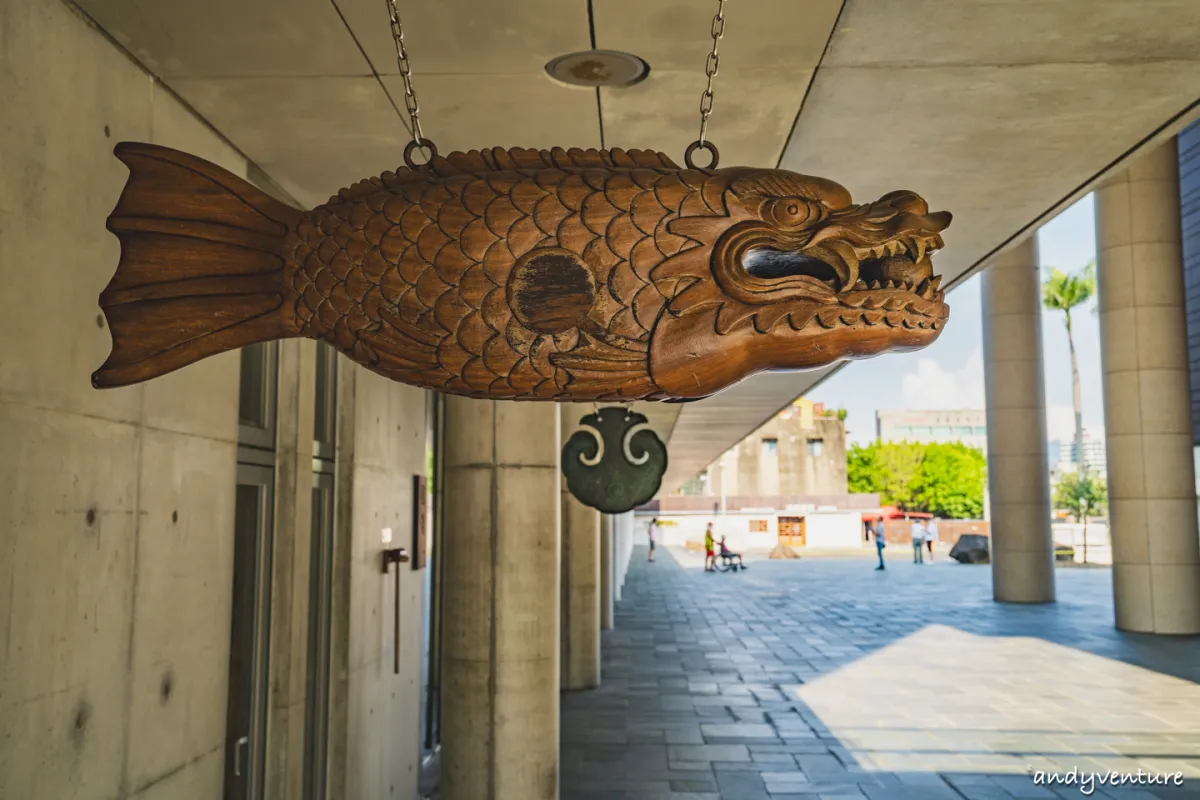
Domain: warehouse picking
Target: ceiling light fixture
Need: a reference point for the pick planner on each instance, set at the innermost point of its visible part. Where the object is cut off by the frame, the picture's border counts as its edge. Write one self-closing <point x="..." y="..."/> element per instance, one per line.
<point x="594" y="68"/>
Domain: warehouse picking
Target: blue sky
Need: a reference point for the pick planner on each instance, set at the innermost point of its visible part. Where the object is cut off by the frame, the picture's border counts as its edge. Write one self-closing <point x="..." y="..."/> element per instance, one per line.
<point x="949" y="373"/>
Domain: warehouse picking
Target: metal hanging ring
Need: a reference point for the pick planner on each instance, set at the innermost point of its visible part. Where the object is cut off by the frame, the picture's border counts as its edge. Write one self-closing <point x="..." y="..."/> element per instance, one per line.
<point x="425" y="144"/>
<point x="699" y="145"/>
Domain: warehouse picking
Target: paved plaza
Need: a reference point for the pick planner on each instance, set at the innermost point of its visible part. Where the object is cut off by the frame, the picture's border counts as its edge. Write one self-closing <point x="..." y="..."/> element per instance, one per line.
<point x="825" y="678"/>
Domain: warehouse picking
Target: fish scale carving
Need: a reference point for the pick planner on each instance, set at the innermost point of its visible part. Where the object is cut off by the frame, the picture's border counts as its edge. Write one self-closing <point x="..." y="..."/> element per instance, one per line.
<point x="523" y="274"/>
<point x="414" y="242"/>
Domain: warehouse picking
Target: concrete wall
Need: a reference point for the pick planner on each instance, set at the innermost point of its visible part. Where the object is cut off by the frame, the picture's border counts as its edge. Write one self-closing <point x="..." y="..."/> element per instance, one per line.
<point x="375" y="729"/>
<point x="116" y="507"/>
<point x="792" y="471"/>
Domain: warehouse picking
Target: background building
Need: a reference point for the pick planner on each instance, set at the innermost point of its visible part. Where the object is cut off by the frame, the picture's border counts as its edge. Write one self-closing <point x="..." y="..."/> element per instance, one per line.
<point x="968" y="426"/>
<point x="1064" y="455"/>
<point x="801" y="451"/>
<point x="1189" y="213"/>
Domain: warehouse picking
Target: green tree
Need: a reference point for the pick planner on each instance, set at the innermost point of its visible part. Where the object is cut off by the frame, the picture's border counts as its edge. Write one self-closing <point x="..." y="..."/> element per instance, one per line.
<point x="1082" y="495"/>
<point x="886" y="468"/>
<point x="945" y="479"/>
<point x="1062" y="292"/>
<point x="949" y="482"/>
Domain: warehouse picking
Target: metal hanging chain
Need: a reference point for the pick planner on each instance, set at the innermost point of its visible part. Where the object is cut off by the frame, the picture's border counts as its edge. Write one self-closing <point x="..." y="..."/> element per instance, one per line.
<point x="711" y="65"/>
<point x="410" y="96"/>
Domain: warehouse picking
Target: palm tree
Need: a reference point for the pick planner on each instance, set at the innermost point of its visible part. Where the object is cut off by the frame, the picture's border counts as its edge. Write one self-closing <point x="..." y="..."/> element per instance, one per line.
<point x="1063" y="292"/>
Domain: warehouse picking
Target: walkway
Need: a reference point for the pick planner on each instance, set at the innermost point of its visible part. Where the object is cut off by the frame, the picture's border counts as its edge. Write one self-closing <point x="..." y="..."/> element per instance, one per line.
<point x="824" y="678"/>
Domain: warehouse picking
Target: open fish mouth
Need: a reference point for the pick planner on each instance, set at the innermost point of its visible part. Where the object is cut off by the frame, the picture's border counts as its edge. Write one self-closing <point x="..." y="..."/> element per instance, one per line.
<point x="834" y="268"/>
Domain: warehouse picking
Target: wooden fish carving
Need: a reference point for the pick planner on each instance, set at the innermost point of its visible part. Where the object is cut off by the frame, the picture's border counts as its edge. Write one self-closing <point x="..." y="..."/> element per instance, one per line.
<point x="523" y="274"/>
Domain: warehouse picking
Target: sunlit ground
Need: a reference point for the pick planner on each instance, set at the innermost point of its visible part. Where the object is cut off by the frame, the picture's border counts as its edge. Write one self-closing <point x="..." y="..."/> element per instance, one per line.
<point x="823" y="677"/>
<point x="943" y="700"/>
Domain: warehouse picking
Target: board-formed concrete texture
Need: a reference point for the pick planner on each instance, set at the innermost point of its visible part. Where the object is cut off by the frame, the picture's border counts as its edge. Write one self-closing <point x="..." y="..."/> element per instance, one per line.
<point x="381" y="445"/>
<point x="116" y="508"/>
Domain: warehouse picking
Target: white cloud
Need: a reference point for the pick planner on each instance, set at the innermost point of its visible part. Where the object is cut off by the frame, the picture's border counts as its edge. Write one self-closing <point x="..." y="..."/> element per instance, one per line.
<point x="1060" y="422"/>
<point x="930" y="386"/>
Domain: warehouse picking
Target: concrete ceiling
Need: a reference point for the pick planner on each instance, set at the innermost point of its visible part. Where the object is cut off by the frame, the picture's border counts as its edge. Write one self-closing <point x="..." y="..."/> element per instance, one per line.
<point x="995" y="109"/>
<point x="310" y="91"/>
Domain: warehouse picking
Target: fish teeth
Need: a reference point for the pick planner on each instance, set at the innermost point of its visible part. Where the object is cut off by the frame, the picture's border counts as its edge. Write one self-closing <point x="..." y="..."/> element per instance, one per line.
<point x="924" y="291"/>
<point x="860" y="284"/>
<point x="934" y="282"/>
<point x="918" y="252"/>
<point x="938" y="242"/>
<point x="829" y="318"/>
<point x="875" y="285"/>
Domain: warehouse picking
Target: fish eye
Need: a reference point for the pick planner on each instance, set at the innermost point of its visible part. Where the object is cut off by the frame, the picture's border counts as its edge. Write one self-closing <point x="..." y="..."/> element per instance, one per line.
<point x="794" y="212"/>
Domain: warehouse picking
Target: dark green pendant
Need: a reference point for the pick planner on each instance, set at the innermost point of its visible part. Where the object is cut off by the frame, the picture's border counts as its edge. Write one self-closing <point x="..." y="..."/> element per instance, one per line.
<point x="615" y="462"/>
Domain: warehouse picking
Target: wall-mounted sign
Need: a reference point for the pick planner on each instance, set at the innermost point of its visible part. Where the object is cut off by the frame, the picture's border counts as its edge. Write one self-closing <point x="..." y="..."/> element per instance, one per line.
<point x="420" y="515"/>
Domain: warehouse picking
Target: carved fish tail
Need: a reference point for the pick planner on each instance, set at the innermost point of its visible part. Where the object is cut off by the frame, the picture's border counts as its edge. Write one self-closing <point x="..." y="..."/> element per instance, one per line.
<point x="201" y="269"/>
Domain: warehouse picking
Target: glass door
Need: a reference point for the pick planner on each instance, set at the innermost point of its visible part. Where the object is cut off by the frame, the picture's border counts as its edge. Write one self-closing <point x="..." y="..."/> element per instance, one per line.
<point x="246" y="713"/>
<point x="254" y="514"/>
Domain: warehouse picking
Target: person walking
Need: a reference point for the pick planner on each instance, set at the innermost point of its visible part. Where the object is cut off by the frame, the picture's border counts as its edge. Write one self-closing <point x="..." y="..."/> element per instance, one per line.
<point x="931" y="536"/>
<point x="710" y="558"/>
<point x="652" y="531"/>
<point x="877" y="532"/>
<point x="918" y="541"/>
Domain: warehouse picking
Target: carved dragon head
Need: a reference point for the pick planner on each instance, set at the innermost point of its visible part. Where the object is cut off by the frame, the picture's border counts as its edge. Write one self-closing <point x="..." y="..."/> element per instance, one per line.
<point x="800" y="277"/>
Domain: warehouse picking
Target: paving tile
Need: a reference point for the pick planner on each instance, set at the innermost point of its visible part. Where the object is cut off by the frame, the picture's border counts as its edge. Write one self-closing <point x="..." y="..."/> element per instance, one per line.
<point x="798" y="682"/>
<point x="708" y="752"/>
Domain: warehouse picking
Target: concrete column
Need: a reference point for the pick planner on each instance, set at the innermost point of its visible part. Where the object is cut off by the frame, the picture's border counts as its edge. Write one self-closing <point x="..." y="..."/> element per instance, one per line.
<point x="1147" y="413"/>
<point x="580" y="588"/>
<point x="607" y="554"/>
<point x="1022" y="549"/>
<point x="626" y="549"/>
<point x="500" y="661"/>
<point x="619" y="542"/>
